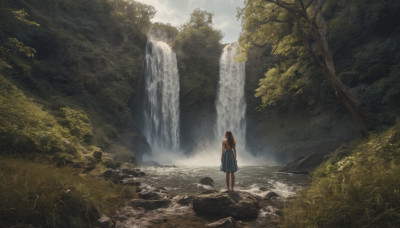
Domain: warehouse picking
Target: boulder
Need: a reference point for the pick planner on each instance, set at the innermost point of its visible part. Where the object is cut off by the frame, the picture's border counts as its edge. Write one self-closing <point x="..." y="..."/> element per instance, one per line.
<point x="185" y="200"/>
<point x="223" y="223"/>
<point x="149" y="195"/>
<point x="111" y="164"/>
<point x="97" y="154"/>
<point x="130" y="181"/>
<point x="207" y="181"/>
<point x="304" y="164"/>
<point x="149" y="204"/>
<point x="271" y="195"/>
<point x="104" y="222"/>
<point x="130" y="172"/>
<point x="241" y="205"/>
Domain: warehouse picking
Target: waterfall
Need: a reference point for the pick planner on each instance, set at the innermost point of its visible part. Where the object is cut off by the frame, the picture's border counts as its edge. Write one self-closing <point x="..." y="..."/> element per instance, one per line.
<point x="230" y="102"/>
<point x="161" y="106"/>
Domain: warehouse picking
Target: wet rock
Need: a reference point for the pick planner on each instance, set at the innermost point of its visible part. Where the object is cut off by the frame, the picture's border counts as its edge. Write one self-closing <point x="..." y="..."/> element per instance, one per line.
<point x="223" y="223"/>
<point x="104" y="222"/>
<point x="141" y="174"/>
<point x="130" y="181"/>
<point x="107" y="174"/>
<point x="130" y="172"/>
<point x="207" y="181"/>
<point x="271" y="195"/>
<point x="119" y="218"/>
<point x="116" y="176"/>
<point x="241" y="205"/>
<point x="263" y="189"/>
<point x="97" y="154"/>
<point x="149" y="195"/>
<point x="209" y="191"/>
<point x="149" y="204"/>
<point x="304" y="164"/>
<point x="112" y="164"/>
<point x="185" y="200"/>
<point x="139" y="189"/>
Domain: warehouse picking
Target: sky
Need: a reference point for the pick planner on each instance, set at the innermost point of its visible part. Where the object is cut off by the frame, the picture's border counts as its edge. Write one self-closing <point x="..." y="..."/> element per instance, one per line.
<point x="177" y="12"/>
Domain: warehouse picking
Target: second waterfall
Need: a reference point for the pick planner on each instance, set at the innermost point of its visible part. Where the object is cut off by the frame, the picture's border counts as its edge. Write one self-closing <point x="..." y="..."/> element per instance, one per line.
<point x="161" y="110"/>
<point x="231" y="102"/>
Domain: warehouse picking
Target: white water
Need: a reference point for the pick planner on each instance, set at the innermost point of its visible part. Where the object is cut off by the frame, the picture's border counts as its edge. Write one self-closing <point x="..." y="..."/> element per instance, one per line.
<point x="231" y="102"/>
<point x="161" y="111"/>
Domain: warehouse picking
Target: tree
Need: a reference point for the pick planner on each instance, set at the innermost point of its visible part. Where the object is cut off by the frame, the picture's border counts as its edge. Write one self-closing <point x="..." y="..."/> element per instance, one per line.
<point x="296" y="27"/>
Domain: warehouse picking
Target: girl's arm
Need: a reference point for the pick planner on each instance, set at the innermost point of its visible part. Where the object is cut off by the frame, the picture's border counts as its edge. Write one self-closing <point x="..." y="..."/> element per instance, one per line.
<point x="234" y="149"/>
<point x="223" y="149"/>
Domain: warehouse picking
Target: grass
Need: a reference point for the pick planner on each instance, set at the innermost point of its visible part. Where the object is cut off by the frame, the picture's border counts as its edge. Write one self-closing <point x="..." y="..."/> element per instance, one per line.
<point x="356" y="190"/>
<point x="41" y="194"/>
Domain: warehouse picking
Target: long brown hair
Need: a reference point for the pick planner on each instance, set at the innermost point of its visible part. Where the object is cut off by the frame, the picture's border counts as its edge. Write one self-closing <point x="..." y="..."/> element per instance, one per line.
<point x="230" y="138"/>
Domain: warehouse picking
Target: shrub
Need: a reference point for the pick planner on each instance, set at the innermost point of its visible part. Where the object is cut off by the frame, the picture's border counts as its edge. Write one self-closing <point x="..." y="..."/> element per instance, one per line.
<point x="39" y="194"/>
<point x="359" y="190"/>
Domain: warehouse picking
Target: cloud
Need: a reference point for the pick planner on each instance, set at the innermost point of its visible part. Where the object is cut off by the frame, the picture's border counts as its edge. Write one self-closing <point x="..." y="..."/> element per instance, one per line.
<point x="177" y="12"/>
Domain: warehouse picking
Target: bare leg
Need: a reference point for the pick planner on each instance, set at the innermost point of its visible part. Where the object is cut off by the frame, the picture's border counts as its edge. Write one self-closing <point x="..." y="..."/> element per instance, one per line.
<point x="227" y="180"/>
<point x="233" y="179"/>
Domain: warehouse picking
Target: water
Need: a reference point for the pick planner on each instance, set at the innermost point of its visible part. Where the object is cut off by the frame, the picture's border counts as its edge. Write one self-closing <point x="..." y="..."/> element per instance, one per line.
<point x="230" y="102"/>
<point x="181" y="181"/>
<point x="161" y="110"/>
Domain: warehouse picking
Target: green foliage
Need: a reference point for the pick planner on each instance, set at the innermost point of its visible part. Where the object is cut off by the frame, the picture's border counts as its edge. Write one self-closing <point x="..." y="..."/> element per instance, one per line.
<point x="165" y="32"/>
<point x="356" y="190"/>
<point x="280" y="84"/>
<point x="88" y="55"/>
<point x="362" y="38"/>
<point x="27" y="51"/>
<point x="39" y="194"/>
<point x="78" y="123"/>
<point x="21" y="16"/>
<point x="198" y="36"/>
<point x="25" y="127"/>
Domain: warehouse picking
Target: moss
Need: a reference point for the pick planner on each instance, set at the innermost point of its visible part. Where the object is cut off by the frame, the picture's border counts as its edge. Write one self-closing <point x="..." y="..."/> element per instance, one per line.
<point x="356" y="190"/>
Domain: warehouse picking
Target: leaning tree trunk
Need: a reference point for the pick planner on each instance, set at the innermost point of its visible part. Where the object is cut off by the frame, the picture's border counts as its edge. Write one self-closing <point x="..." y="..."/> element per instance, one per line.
<point x="327" y="68"/>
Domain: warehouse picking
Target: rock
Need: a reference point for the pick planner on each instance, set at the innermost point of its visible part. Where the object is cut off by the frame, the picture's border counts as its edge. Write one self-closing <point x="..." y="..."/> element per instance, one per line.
<point x="112" y="164"/>
<point x="209" y="191"/>
<point x="107" y="174"/>
<point x="117" y="176"/>
<point x="263" y="189"/>
<point x="241" y="205"/>
<point x="97" y="154"/>
<point x="149" y="195"/>
<point x="141" y="174"/>
<point x="131" y="181"/>
<point x="223" y="223"/>
<point x="104" y="222"/>
<point x="271" y="195"/>
<point x="119" y="218"/>
<point x="185" y="200"/>
<point x="207" y="181"/>
<point x="304" y="164"/>
<point x="130" y="172"/>
<point x="149" y="204"/>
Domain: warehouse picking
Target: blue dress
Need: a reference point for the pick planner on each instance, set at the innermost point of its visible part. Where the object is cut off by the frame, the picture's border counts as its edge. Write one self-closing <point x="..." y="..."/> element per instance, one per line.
<point x="229" y="162"/>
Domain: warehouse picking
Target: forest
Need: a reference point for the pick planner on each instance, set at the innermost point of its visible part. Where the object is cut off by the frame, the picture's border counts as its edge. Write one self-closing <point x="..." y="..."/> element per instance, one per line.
<point x="321" y="87"/>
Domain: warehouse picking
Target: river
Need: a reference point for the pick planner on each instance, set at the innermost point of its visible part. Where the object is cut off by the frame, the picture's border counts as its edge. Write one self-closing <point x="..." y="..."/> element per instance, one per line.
<point x="181" y="181"/>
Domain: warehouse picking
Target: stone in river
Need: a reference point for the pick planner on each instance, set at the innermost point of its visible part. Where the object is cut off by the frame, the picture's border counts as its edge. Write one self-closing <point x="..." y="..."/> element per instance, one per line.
<point x="149" y="195"/>
<point x="223" y="223"/>
<point x="149" y="204"/>
<point x="241" y="205"/>
<point x="104" y="222"/>
<point x="207" y="181"/>
<point x="271" y="195"/>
